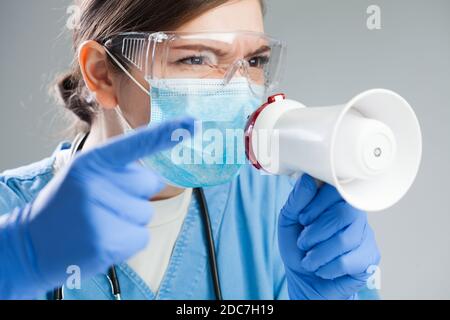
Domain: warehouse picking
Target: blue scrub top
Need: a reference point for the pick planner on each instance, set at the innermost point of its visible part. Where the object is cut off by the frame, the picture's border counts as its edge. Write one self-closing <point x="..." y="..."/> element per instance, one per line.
<point x="243" y="215"/>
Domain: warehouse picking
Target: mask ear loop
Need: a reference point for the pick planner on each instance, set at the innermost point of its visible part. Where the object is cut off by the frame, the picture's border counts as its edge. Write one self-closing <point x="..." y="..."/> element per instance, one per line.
<point x="122" y="119"/>
<point x="118" y="110"/>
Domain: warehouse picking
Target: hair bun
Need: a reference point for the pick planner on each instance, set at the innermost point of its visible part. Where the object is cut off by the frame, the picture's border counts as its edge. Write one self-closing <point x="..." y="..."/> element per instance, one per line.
<point x="67" y="86"/>
<point x="71" y="91"/>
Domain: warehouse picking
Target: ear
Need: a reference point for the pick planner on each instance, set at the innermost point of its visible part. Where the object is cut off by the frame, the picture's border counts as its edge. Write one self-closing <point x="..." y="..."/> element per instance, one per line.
<point x="98" y="77"/>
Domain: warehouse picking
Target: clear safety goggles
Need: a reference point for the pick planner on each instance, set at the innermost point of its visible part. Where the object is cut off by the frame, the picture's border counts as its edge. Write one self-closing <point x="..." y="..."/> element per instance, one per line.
<point x="202" y="55"/>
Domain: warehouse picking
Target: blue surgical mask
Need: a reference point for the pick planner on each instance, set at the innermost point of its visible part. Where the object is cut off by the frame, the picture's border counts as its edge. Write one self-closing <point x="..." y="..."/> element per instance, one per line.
<point x="216" y="152"/>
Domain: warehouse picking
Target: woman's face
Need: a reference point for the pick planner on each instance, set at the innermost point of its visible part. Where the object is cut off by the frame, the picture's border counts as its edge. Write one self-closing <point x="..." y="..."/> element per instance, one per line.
<point x="243" y="15"/>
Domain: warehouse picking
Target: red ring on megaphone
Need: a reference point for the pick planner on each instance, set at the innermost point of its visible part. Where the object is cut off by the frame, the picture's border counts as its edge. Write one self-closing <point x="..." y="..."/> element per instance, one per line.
<point x="250" y="125"/>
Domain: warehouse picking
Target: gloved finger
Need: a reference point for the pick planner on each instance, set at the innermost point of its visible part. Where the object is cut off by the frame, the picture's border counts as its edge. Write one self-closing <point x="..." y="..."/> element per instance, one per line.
<point x="288" y="226"/>
<point x="291" y="255"/>
<point x="121" y="240"/>
<point x="133" y="210"/>
<point x="354" y="262"/>
<point x="139" y="144"/>
<point x="304" y="191"/>
<point x="110" y="199"/>
<point x="325" y="198"/>
<point x="340" y="243"/>
<point x="346" y="286"/>
<point x="138" y="181"/>
<point x="333" y="220"/>
<point x="132" y="240"/>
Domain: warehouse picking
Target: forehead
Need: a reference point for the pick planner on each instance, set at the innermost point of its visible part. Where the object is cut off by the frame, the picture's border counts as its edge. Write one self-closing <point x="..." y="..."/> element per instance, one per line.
<point x="223" y="44"/>
<point x="236" y="15"/>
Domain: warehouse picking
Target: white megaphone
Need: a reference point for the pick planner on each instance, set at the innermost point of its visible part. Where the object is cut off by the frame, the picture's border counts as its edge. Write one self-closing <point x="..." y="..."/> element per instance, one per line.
<point x="369" y="149"/>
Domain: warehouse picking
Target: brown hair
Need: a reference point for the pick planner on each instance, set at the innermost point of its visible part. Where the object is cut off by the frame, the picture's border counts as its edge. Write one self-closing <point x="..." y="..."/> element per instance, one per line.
<point x="100" y="19"/>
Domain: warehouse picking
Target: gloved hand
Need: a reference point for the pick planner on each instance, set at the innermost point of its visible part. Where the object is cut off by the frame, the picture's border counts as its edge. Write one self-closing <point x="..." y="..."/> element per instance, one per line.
<point x="93" y="215"/>
<point x="326" y="244"/>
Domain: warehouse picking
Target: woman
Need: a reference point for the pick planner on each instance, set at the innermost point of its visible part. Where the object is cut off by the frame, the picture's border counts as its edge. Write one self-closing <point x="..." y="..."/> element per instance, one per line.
<point x="85" y="210"/>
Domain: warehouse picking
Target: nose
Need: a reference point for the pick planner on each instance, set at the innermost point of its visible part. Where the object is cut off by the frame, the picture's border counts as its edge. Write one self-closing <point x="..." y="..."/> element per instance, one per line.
<point x="240" y="66"/>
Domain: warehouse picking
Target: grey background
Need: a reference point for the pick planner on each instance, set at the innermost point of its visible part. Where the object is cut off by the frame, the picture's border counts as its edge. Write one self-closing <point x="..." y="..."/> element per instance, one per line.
<point x="332" y="56"/>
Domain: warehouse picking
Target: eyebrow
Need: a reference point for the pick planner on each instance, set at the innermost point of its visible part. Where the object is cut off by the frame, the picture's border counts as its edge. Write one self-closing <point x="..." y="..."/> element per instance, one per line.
<point x="201" y="47"/>
<point x="219" y="52"/>
<point x="262" y="49"/>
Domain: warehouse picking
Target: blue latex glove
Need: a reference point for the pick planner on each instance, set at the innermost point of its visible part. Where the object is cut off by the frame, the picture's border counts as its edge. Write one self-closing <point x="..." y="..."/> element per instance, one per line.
<point x="326" y="244"/>
<point x="93" y="215"/>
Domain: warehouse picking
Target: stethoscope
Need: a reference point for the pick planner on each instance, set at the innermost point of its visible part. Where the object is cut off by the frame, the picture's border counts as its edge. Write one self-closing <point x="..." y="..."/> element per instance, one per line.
<point x="58" y="294"/>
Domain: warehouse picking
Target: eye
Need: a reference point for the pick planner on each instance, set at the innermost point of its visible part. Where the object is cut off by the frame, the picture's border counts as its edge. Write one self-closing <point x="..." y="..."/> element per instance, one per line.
<point x="258" y="62"/>
<point x="194" y="60"/>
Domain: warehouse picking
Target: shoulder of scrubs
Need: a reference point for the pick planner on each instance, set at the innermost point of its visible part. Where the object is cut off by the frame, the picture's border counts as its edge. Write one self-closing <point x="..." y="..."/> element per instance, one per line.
<point x="20" y="186"/>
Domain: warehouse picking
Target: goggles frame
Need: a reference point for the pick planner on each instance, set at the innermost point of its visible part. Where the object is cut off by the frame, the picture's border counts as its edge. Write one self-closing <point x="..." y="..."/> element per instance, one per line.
<point x="138" y="50"/>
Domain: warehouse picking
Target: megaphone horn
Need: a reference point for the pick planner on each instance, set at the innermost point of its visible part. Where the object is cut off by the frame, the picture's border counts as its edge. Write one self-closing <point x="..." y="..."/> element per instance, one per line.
<point x="369" y="149"/>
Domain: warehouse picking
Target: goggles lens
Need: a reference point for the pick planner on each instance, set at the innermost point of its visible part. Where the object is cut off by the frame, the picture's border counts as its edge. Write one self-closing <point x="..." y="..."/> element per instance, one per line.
<point x="203" y="56"/>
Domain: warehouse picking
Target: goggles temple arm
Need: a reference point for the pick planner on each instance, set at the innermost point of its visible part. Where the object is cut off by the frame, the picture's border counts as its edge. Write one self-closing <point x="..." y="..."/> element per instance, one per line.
<point x="120" y="65"/>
